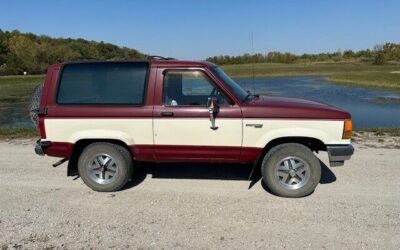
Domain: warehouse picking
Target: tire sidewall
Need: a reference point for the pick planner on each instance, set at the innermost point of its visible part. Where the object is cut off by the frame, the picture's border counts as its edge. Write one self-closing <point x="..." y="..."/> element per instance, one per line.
<point x="124" y="166"/>
<point x="296" y="150"/>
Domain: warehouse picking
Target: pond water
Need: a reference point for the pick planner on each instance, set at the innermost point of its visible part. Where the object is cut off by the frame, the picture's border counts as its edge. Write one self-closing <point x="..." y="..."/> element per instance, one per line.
<point x="15" y="114"/>
<point x="368" y="107"/>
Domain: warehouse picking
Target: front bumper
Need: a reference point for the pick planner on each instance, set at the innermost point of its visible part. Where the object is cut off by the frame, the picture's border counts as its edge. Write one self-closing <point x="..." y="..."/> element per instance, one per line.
<point x="339" y="153"/>
<point x="41" y="146"/>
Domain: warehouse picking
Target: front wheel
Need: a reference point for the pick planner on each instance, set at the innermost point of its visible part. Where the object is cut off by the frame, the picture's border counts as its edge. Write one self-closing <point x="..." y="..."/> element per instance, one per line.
<point x="291" y="170"/>
<point x="105" y="167"/>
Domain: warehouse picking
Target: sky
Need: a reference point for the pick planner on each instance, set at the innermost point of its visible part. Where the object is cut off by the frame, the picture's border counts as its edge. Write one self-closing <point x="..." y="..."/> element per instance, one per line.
<point x="189" y="29"/>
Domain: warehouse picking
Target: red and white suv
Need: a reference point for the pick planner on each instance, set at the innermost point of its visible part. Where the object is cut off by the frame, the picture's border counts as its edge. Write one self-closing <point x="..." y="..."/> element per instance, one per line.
<point x="105" y="116"/>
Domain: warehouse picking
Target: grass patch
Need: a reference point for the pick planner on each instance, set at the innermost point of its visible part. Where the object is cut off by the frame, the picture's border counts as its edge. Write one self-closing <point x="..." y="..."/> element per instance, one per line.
<point x="357" y="74"/>
<point x="21" y="79"/>
<point x="368" y="79"/>
<point x="382" y="131"/>
<point x="18" y="88"/>
<point x="18" y="133"/>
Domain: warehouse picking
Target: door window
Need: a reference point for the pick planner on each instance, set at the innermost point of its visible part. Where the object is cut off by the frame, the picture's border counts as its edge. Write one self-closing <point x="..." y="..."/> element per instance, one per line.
<point x="189" y="88"/>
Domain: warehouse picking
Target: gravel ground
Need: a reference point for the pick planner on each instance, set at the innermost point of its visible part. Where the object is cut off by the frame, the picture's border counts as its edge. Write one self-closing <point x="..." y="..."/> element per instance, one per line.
<point x="198" y="206"/>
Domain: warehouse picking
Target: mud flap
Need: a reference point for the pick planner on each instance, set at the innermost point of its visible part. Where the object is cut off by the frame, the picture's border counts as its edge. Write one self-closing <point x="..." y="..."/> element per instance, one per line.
<point x="255" y="174"/>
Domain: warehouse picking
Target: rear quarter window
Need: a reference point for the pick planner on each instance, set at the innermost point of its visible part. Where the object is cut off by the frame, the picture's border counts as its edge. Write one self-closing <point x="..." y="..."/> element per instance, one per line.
<point x="103" y="83"/>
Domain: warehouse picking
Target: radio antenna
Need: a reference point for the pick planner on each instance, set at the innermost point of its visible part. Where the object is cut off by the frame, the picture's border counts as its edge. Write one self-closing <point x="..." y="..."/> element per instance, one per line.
<point x="252" y="62"/>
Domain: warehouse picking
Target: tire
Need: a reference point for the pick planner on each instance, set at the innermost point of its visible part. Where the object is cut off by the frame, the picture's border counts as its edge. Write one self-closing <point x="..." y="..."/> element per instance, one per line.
<point x="291" y="170"/>
<point x="105" y="167"/>
<point x="35" y="103"/>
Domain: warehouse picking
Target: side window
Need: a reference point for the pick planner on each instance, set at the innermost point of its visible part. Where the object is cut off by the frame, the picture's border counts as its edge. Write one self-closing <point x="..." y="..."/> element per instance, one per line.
<point x="189" y="88"/>
<point x="103" y="83"/>
<point x="196" y="85"/>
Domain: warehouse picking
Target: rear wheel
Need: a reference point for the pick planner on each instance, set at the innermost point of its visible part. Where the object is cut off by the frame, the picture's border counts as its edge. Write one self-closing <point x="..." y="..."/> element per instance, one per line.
<point x="105" y="167"/>
<point x="291" y="170"/>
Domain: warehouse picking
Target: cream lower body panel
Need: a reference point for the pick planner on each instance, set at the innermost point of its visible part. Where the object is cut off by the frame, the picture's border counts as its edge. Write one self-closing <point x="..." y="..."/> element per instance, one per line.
<point x="193" y="132"/>
<point x="198" y="132"/>
<point x="130" y="131"/>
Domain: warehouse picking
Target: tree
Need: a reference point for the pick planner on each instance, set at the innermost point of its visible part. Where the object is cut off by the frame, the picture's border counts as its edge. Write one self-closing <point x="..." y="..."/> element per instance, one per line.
<point x="3" y="47"/>
<point x="379" y="58"/>
<point x="21" y="52"/>
<point x="348" y="54"/>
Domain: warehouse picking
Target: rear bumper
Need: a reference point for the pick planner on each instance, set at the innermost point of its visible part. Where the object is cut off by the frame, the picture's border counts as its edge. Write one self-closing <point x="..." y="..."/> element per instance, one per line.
<point x="339" y="153"/>
<point x="41" y="146"/>
<point x="55" y="149"/>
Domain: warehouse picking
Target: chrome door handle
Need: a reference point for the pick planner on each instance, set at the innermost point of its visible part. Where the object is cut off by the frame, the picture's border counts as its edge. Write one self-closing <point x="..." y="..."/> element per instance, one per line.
<point x="255" y="125"/>
<point x="167" y="114"/>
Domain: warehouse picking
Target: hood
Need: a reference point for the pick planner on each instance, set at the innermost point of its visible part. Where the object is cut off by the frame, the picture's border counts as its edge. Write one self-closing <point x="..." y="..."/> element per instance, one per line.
<point x="286" y="107"/>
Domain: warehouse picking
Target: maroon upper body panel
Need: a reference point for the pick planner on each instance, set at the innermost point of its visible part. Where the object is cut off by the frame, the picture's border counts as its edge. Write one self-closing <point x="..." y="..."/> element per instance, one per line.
<point x="55" y="110"/>
<point x="290" y="108"/>
<point x="257" y="107"/>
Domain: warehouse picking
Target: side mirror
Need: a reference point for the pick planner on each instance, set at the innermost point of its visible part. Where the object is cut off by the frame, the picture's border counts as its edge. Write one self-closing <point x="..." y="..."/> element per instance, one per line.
<point x="213" y="106"/>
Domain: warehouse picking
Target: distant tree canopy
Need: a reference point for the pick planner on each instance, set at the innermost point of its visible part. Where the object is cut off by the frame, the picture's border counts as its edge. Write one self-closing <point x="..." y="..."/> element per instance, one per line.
<point x="20" y="52"/>
<point x="386" y="53"/>
<point x="28" y="52"/>
<point x="381" y="54"/>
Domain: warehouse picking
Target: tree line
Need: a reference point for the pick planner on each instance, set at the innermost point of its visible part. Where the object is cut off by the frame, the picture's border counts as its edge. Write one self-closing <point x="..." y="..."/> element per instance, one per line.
<point x="27" y="52"/>
<point x="379" y="55"/>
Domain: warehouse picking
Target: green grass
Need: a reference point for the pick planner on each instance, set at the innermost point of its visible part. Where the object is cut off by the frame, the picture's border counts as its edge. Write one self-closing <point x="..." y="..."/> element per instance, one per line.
<point x="356" y="74"/>
<point x="18" y="88"/>
<point x="21" y="79"/>
<point x="370" y="79"/>
<point x="14" y="89"/>
<point x="18" y="133"/>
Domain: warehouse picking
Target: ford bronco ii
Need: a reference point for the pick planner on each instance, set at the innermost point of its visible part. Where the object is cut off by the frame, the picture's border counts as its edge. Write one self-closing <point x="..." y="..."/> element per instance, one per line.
<point x="104" y="116"/>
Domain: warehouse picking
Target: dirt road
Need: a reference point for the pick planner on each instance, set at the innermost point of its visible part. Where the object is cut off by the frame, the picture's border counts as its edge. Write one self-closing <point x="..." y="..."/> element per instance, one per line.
<point x="185" y="206"/>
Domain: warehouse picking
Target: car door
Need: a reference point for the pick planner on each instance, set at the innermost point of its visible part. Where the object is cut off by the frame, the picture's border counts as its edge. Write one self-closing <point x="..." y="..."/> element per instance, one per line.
<point x="182" y="126"/>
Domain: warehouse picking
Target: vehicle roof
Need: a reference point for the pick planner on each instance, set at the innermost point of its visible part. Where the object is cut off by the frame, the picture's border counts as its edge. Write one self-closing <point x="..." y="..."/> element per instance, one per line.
<point x="180" y="63"/>
<point x="154" y="62"/>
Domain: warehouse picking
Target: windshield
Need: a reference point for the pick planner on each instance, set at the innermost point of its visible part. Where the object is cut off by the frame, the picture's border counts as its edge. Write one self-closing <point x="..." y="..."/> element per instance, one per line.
<point x="232" y="85"/>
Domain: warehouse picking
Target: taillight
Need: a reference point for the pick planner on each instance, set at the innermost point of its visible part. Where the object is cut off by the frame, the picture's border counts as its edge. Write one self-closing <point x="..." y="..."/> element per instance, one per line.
<point x="347" y="129"/>
<point x="42" y="129"/>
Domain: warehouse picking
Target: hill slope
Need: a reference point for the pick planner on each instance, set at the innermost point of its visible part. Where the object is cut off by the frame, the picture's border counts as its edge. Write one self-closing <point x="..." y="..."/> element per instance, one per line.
<point x="32" y="53"/>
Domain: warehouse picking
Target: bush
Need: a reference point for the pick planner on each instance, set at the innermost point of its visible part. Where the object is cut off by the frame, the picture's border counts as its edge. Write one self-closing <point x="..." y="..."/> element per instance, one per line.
<point x="379" y="59"/>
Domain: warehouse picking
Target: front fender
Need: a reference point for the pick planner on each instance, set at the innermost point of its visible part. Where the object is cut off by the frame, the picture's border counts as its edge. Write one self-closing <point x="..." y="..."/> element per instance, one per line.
<point x="327" y="131"/>
<point x="292" y="132"/>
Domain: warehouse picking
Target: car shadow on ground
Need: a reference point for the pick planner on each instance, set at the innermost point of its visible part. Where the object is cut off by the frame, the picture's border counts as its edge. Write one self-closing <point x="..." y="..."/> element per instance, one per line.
<point x="208" y="171"/>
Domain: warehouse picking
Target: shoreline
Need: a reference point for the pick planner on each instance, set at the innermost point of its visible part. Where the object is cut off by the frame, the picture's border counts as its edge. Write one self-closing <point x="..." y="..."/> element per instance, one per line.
<point x="350" y="74"/>
<point x="347" y="73"/>
<point x="329" y="79"/>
